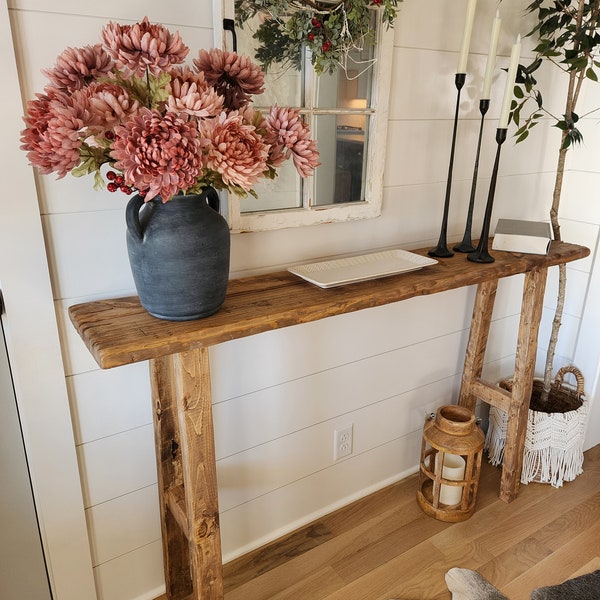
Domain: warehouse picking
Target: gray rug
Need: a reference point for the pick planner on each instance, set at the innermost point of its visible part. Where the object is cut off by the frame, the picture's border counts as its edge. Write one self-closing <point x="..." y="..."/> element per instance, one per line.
<point x="470" y="585"/>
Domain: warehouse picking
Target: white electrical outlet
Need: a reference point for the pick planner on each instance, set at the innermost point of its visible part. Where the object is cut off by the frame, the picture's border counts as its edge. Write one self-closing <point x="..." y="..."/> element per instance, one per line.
<point x="342" y="442"/>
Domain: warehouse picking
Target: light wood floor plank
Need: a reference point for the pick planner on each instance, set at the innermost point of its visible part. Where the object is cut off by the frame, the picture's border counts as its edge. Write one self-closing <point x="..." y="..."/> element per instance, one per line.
<point x="558" y="566"/>
<point x="383" y="547"/>
<point x="590" y="567"/>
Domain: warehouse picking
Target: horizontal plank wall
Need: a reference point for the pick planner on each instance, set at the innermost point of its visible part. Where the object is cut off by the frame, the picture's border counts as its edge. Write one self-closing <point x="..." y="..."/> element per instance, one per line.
<point x="279" y="396"/>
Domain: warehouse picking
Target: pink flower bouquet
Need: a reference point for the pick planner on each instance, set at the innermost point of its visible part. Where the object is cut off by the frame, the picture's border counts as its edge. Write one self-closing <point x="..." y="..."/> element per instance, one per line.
<point x="160" y="126"/>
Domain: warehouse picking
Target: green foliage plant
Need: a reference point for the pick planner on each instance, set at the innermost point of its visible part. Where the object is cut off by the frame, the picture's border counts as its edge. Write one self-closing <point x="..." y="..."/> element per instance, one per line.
<point x="568" y="39"/>
<point x="329" y="29"/>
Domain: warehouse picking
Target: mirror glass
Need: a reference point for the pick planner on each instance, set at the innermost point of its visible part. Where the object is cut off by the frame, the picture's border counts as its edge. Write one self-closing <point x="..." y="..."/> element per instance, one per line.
<point x="337" y="108"/>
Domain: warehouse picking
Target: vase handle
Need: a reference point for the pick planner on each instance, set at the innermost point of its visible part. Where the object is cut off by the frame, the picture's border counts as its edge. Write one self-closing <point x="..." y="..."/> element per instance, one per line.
<point x="132" y="217"/>
<point x="212" y="198"/>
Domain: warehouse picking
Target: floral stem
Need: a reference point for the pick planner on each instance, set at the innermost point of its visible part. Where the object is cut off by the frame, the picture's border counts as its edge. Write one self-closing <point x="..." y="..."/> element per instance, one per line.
<point x="148" y="87"/>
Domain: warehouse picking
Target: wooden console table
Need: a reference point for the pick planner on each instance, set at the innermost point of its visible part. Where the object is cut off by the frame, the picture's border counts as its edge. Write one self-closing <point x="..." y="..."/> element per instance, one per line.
<point x="119" y="332"/>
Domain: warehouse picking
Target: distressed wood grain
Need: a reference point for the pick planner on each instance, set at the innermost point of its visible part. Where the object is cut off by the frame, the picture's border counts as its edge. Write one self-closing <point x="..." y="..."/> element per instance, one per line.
<point x="119" y="331"/>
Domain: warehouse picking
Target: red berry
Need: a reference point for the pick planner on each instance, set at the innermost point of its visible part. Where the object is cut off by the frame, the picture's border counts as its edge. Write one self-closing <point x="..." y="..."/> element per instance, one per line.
<point x="326" y="46"/>
<point x="109" y="135"/>
<point x="142" y="193"/>
<point x="126" y="189"/>
<point x="112" y="187"/>
<point x="119" y="180"/>
<point x="315" y="22"/>
<point x="110" y="175"/>
<point x="311" y="36"/>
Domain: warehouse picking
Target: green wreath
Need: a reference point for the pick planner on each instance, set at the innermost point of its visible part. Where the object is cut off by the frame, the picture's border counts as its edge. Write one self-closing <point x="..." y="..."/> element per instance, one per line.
<point x="329" y="29"/>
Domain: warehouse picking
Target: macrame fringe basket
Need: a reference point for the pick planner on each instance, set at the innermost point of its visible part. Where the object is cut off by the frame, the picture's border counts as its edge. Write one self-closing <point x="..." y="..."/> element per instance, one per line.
<point x="553" y="450"/>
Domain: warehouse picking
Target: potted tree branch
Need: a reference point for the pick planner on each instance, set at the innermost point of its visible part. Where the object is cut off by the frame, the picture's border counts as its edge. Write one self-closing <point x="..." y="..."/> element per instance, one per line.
<point x="568" y="39"/>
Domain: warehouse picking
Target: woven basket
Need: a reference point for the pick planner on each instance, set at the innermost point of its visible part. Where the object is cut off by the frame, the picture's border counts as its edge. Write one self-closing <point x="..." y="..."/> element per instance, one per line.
<point x="553" y="451"/>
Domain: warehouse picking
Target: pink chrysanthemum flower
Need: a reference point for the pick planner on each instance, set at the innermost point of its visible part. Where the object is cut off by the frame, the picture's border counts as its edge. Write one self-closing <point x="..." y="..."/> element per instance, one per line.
<point x="36" y="118"/>
<point x="288" y="136"/>
<point x="236" y="151"/>
<point x="111" y="105"/>
<point x="77" y="67"/>
<point x="190" y="94"/>
<point x="235" y="77"/>
<point x="38" y="112"/>
<point x="169" y="128"/>
<point x="305" y="156"/>
<point x="53" y="142"/>
<point x="143" y="46"/>
<point x="161" y="154"/>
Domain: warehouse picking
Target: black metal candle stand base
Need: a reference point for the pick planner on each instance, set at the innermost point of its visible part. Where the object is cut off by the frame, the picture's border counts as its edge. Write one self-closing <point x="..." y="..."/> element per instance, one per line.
<point x="441" y="250"/>
<point x="481" y="253"/>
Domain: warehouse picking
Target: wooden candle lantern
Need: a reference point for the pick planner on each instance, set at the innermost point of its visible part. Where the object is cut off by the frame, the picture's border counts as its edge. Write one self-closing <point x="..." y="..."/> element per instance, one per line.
<point x="450" y="466"/>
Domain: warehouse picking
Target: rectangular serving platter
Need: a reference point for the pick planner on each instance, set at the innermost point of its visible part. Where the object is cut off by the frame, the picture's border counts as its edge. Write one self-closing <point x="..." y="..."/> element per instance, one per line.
<point x="342" y="271"/>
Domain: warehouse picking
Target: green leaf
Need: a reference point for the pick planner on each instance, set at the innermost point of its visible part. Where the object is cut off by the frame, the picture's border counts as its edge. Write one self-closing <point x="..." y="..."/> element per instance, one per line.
<point x="521" y="130"/>
<point x="518" y="92"/>
<point x="591" y="74"/>
<point x="99" y="183"/>
<point x="538" y="98"/>
<point x="522" y="137"/>
<point x="549" y="26"/>
<point x="159" y="89"/>
<point x="576" y="64"/>
<point x="576" y="136"/>
<point x="534" y="66"/>
<point x="516" y="116"/>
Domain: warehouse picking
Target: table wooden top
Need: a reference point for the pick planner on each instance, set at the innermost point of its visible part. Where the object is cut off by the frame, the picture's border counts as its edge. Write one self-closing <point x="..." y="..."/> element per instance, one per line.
<point x="119" y="331"/>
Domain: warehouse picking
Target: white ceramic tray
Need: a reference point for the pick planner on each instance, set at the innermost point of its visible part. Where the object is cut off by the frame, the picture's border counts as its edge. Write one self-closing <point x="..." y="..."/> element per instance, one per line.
<point x="340" y="271"/>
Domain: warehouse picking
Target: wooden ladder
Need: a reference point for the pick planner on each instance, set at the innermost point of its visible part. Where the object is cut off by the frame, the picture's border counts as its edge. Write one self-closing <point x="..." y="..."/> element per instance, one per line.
<point x="516" y="402"/>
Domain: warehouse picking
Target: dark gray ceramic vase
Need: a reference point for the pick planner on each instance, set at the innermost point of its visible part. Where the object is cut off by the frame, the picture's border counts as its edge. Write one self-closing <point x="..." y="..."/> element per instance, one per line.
<point x="179" y="255"/>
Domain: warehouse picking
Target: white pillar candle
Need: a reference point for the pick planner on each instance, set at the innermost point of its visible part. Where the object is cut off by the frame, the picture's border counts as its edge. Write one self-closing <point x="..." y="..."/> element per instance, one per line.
<point x="510" y="84"/>
<point x="452" y="470"/>
<point x="466" y="40"/>
<point x="491" y="58"/>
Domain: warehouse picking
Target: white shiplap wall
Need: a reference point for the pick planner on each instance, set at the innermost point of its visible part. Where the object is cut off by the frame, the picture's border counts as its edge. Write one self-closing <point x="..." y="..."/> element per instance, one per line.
<point x="280" y="395"/>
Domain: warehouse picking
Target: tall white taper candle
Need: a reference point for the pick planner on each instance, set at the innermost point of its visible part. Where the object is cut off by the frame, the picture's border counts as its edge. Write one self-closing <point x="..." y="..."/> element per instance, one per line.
<point x="491" y="58"/>
<point x="510" y="84"/>
<point x="466" y="40"/>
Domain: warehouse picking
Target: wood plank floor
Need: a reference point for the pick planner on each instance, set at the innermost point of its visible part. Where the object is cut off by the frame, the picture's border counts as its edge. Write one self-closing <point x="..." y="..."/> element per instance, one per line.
<point x="384" y="547"/>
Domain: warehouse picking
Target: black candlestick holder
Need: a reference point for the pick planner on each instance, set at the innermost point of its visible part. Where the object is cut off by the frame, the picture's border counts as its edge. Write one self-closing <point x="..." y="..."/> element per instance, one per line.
<point x="481" y="254"/>
<point x="467" y="245"/>
<point x="441" y="250"/>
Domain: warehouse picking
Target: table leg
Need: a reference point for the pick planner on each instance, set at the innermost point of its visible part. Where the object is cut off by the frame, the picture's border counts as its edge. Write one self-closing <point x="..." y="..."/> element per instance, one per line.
<point x="478" y="336"/>
<point x="176" y="555"/>
<point x="517" y="402"/>
<point x="189" y="486"/>
<point x="531" y="314"/>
